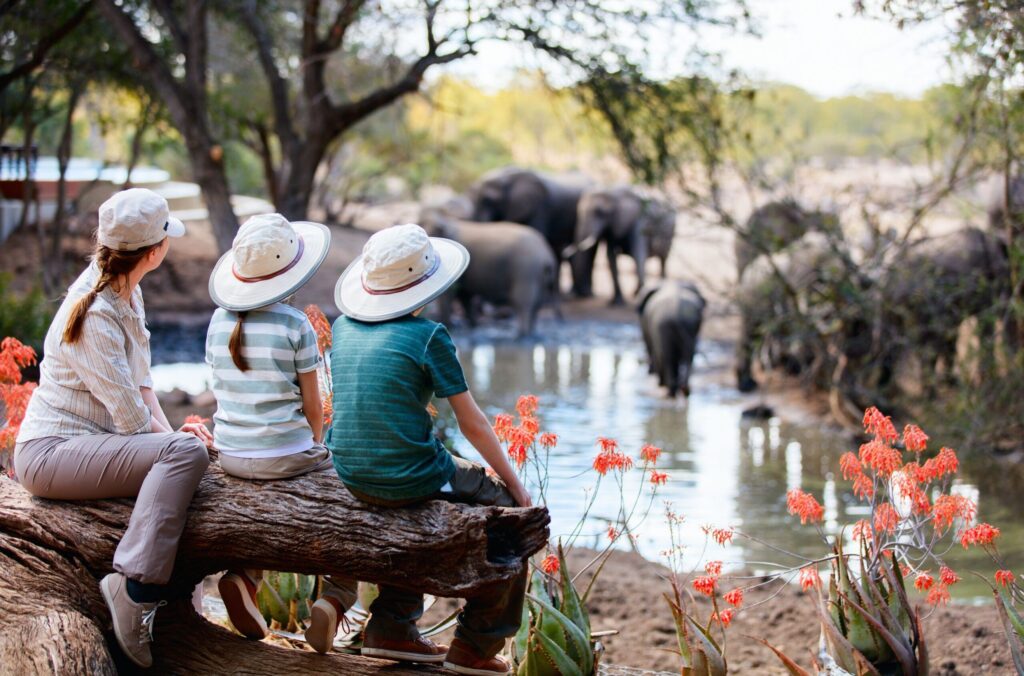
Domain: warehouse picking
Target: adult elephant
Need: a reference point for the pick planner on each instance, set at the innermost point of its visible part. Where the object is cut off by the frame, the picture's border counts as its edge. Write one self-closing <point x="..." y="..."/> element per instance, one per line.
<point x="776" y="225"/>
<point x="936" y="284"/>
<point x="530" y="198"/>
<point x="628" y="223"/>
<point x="671" y="313"/>
<point x="510" y="265"/>
<point x="779" y="296"/>
<point x="998" y="201"/>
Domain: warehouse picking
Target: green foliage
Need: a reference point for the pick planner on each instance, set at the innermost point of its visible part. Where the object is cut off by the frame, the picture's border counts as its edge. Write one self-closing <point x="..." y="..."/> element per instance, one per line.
<point x="285" y="598"/>
<point x="23" y="316"/>
<point x="554" y="638"/>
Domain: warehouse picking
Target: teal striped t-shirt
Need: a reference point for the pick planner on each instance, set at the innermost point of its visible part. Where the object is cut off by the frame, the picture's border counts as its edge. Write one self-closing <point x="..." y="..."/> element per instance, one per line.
<point x="384" y="375"/>
<point x="259" y="411"/>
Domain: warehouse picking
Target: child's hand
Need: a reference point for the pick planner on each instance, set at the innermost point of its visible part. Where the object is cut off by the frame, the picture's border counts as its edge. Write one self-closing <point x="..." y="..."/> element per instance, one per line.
<point x="521" y="497"/>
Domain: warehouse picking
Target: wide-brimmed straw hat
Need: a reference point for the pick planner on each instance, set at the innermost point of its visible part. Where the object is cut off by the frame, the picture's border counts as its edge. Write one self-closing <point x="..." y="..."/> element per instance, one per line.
<point x="270" y="259"/>
<point x="401" y="269"/>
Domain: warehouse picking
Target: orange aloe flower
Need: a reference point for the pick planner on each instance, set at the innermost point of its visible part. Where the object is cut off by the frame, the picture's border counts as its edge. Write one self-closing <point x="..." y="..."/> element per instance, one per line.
<point x="550" y="564"/>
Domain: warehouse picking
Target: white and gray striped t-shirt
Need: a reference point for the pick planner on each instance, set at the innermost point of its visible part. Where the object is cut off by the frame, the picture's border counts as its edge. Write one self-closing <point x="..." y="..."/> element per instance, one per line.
<point x="259" y="411"/>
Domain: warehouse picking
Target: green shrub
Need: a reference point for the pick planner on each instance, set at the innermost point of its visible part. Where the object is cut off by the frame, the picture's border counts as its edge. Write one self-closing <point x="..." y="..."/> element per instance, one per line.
<point x="23" y="316"/>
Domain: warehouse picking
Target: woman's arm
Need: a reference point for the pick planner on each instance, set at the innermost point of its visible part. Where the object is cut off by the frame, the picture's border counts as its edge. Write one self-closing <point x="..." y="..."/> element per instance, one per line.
<point x="312" y="405"/>
<point x="159" y="418"/>
<point x="476" y="428"/>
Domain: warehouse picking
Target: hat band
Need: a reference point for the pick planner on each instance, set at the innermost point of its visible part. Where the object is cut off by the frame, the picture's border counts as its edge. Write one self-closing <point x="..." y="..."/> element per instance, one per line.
<point x="406" y="287"/>
<point x="263" y="278"/>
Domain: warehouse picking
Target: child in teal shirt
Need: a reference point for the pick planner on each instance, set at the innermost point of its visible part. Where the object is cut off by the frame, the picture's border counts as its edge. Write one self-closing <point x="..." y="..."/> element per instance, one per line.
<point x="387" y="363"/>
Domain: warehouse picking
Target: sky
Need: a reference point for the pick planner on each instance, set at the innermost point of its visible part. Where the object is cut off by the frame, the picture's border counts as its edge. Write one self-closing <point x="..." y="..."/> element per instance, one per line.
<point x="818" y="45"/>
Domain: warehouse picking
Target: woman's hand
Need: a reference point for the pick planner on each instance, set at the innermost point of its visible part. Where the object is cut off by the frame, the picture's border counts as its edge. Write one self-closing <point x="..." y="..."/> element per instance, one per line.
<point x="199" y="431"/>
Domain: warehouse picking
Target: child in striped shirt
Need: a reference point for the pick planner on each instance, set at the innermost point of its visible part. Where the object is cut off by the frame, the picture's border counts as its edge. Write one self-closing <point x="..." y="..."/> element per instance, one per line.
<point x="269" y="420"/>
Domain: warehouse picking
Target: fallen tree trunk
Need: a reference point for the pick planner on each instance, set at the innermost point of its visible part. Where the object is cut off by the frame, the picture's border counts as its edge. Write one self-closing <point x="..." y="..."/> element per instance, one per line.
<point x="52" y="554"/>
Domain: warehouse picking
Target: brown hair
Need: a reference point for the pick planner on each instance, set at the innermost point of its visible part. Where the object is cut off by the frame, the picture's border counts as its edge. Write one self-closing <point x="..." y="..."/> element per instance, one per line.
<point x="236" y="342"/>
<point x="112" y="264"/>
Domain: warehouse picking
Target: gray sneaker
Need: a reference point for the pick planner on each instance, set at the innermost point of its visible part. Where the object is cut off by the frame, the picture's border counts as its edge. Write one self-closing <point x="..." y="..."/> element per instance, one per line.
<point x="133" y="622"/>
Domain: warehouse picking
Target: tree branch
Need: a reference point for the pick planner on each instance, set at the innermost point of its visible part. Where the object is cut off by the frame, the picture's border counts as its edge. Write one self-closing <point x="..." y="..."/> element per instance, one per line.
<point x="48" y="42"/>
<point x="345" y="18"/>
<point x="279" y="94"/>
<point x="170" y="17"/>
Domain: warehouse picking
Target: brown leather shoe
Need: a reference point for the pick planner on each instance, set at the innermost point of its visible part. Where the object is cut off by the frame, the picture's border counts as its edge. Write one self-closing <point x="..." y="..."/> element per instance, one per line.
<point x="463" y="659"/>
<point x="420" y="649"/>
<point x="238" y="592"/>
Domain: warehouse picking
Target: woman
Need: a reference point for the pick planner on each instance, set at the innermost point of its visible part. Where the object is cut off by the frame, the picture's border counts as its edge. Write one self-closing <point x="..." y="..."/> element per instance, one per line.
<point x="94" y="428"/>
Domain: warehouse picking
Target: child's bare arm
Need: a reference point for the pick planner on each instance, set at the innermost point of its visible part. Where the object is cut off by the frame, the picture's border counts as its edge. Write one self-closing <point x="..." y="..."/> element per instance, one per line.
<point x="474" y="425"/>
<point x="312" y="405"/>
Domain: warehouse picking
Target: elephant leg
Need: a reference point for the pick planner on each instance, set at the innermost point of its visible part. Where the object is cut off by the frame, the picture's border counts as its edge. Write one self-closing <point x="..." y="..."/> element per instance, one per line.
<point x="744" y="356"/>
<point x="582" y="266"/>
<point x="663" y="260"/>
<point x="551" y="294"/>
<point x="648" y="343"/>
<point x="617" y="298"/>
<point x="638" y="250"/>
<point x="669" y="338"/>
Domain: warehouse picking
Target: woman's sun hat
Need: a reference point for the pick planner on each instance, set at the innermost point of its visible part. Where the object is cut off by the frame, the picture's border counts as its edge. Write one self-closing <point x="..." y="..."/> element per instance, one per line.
<point x="270" y="259"/>
<point x="401" y="269"/>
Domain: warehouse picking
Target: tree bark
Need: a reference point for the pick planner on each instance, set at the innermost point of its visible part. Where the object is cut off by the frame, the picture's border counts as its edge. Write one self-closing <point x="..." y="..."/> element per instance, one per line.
<point x="52" y="553"/>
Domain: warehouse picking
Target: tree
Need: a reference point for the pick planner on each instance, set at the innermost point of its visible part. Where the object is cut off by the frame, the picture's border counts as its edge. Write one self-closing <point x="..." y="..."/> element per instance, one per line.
<point x="176" y="69"/>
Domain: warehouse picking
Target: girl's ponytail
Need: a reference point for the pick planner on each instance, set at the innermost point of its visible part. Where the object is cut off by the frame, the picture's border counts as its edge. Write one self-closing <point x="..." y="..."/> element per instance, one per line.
<point x="235" y="344"/>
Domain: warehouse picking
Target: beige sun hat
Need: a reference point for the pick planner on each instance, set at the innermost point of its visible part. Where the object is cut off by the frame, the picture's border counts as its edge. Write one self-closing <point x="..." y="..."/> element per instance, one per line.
<point x="135" y="218"/>
<point x="270" y="259"/>
<point x="401" y="269"/>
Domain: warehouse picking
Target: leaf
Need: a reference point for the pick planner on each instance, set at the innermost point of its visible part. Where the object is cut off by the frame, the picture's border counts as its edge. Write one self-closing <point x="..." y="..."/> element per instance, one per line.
<point x="306" y="586"/>
<point x="841" y="650"/>
<point x="682" y="633"/>
<point x="271" y="605"/>
<point x="904" y="653"/>
<point x="522" y="636"/>
<point x="709" y="649"/>
<point x="565" y="664"/>
<point x="1015" y="618"/>
<point x="792" y="667"/>
<point x="572" y="632"/>
<point x="443" y="625"/>
<point x="572" y="606"/>
<point x="1013" y="632"/>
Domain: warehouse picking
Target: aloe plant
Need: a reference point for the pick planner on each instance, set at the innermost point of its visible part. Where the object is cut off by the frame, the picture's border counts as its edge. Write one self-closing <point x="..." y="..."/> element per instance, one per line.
<point x="554" y="638"/>
<point x="285" y="598"/>
<point x="701" y="654"/>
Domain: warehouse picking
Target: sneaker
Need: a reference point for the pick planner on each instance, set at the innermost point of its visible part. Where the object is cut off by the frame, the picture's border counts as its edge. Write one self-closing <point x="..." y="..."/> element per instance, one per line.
<point x="238" y="592"/>
<point x="463" y="659"/>
<point x="133" y="622"/>
<point x="324" y="617"/>
<point x="420" y="649"/>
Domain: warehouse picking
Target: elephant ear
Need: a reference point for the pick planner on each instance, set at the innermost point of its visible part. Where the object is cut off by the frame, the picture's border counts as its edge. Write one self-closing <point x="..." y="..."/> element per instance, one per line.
<point x="644" y="295"/>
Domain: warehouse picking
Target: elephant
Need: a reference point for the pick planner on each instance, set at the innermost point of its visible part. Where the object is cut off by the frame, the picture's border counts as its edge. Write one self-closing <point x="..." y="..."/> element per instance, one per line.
<point x="773" y="291"/>
<point x="997" y="203"/>
<point x="671" y="313"/>
<point x="936" y="284"/>
<point x="774" y="226"/>
<point x="510" y="265"/>
<point x="527" y="197"/>
<point x="627" y="223"/>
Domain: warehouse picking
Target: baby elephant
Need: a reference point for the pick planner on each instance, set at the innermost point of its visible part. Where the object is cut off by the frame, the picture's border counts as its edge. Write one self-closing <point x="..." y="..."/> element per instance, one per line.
<point x="670" y="316"/>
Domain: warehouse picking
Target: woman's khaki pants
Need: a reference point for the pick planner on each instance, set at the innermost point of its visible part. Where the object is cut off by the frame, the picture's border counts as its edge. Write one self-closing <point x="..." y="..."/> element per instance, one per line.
<point x="161" y="471"/>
